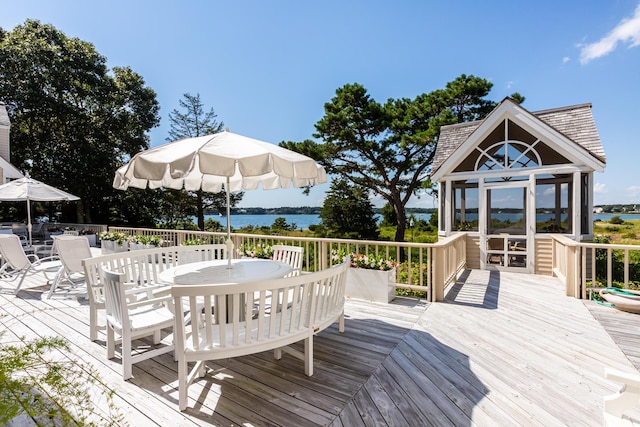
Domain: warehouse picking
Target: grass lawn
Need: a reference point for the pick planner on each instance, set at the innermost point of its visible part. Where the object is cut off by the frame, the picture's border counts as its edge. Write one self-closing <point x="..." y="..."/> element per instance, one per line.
<point x="626" y="233"/>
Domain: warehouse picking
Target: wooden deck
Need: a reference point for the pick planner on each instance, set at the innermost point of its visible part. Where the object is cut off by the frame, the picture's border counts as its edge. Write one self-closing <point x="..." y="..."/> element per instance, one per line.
<point x="504" y="349"/>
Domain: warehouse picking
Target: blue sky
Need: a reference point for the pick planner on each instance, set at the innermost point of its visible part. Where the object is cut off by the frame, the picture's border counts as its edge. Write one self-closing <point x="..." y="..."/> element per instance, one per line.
<point x="267" y="68"/>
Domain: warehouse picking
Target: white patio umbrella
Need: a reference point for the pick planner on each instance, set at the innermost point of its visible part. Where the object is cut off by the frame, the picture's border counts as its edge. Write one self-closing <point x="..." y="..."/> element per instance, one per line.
<point x="29" y="189"/>
<point x="212" y="162"/>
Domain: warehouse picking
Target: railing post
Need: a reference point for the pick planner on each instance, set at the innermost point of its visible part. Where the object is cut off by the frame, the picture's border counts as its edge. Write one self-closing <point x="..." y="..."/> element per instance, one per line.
<point x="324" y="254"/>
<point x="439" y="267"/>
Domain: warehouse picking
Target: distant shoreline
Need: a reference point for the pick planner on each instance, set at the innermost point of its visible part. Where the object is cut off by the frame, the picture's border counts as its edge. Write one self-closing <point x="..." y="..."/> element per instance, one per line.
<point x="302" y="210"/>
<point x="315" y="210"/>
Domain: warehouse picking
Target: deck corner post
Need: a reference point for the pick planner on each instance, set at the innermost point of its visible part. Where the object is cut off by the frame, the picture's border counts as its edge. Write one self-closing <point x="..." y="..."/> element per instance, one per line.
<point x="438" y="274"/>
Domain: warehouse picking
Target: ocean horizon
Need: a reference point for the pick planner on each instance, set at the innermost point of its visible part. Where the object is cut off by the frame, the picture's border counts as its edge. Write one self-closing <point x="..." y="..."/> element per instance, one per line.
<point x="303" y="221"/>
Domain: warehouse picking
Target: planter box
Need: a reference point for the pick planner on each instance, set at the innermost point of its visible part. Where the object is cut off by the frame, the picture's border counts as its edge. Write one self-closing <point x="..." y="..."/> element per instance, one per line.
<point x="107" y="246"/>
<point x="140" y="246"/>
<point x="371" y="285"/>
<point x="91" y="238"/>
<point x="110" y="247"/>
<point x="120" y="247"/>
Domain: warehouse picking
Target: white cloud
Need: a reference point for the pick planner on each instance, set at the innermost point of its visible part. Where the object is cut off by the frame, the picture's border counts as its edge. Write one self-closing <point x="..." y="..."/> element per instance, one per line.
<point x="600" y="188"/>
<point x="633" y="192"/>
<point x="565" y="59"/>
<point x="628" y="30"/>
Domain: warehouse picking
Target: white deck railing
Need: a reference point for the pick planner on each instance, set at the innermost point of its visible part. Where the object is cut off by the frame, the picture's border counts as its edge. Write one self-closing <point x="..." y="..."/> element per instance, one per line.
<point x="424" y="267"/>
<point x="431" y="267"/>
<point x="583" y="266"/>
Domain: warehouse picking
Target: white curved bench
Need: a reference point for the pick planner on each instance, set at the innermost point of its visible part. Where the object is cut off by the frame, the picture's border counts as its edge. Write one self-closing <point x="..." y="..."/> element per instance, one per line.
<point x="628" y="397"/>
<point x="140" y="267"/>
<point x="311" y="303"/>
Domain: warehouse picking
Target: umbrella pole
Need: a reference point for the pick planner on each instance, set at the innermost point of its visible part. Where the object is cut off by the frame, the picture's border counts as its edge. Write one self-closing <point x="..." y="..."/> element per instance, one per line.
<point x="229" y="242"/>
<point x="29" y="221"/>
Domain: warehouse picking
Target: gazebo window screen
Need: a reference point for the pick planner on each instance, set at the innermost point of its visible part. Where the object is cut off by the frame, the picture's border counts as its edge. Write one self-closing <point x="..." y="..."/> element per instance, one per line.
<point x="465" y="205"/>
<point x="554" y="204"/>
<point x="585" y="199"/>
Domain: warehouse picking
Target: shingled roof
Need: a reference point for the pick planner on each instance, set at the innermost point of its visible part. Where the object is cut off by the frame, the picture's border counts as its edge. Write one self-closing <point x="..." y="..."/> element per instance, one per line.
<point x="575" y="122"/>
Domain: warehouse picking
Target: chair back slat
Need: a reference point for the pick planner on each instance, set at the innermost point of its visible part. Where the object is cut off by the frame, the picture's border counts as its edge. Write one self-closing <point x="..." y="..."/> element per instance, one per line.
<point x="115" y="301"/>
<point x="190" y="254"/>
<point x="291" y="255"/>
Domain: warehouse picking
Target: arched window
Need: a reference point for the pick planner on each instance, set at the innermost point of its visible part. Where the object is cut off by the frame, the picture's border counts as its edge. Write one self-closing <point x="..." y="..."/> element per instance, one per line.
<point x="508" y="155"/>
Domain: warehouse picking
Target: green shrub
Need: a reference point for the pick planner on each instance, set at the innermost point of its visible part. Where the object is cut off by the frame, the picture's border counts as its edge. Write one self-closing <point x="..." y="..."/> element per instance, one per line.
<point x="40" y="380"/>
<point x="616" y="220"/>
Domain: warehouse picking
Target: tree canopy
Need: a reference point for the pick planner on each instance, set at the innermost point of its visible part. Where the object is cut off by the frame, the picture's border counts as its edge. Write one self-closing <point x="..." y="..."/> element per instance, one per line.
<point x="348" y="212"/>
<point x="388" y="148"/>
<point x="73" y="120"/>
<point x="190" y="122"/>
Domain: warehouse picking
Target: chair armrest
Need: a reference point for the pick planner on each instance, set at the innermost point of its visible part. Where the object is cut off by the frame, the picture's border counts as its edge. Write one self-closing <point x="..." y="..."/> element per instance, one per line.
<point x="626" y="398"/>
<point x="167" y="300"/>
<point x="45" y="259"/>
<point x="135" y="289"/>
<point x="152" y="294"/>
<point x="628" y="378"/>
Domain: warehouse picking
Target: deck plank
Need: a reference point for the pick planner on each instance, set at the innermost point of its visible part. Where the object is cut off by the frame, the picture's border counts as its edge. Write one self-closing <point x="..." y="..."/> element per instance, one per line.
<point x="503" y="349"/>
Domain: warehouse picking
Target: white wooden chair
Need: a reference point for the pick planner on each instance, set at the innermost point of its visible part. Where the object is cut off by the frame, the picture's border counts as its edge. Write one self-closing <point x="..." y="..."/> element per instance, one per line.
<point x="17" y="264"/>
<point x="132" y="320"/>
<point x="189" y="254"/>
<point x="291" y="255"/>
<point x="71" y="250"/>
<point x="628" y="397"/>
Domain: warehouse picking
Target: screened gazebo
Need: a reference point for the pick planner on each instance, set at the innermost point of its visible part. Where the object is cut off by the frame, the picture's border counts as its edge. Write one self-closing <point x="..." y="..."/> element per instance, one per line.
<point x="516" y="177"/>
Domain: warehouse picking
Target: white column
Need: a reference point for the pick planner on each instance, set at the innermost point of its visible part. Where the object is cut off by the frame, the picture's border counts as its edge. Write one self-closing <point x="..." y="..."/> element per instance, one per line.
<point x="577" y="195"/>
<point x="447" y="207"/>
<point x="482" y="222"/>
<point x="531" y="223"/>
<point x="590" y="178"/>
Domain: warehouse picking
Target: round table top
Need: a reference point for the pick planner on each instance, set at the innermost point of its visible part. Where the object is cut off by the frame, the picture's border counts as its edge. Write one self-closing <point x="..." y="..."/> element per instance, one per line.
<point x="218" y="272"/>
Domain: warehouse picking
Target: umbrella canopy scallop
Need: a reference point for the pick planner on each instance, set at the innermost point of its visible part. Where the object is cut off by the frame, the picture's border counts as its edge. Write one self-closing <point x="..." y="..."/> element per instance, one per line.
<point x="31" y="189"/>
<point x="28" y="189"/>
<point x="212" y="162"/>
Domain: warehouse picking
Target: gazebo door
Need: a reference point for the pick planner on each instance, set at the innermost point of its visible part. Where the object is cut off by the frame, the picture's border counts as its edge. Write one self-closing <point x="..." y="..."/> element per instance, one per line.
<point x="505" y="232"/>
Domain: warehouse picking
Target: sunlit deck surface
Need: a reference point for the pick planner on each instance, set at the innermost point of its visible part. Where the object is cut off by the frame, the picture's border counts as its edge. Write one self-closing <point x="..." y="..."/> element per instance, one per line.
<point x="504" y="349"/>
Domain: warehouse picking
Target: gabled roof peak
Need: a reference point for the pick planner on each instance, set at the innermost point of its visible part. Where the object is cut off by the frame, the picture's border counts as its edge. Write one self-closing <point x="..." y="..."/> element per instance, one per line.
<point x="575" y="122"/>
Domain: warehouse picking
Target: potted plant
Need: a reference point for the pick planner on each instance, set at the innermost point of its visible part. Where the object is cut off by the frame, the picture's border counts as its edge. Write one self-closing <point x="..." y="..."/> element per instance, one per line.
<point x="52" y="231"/>
<point x="194" y="242"/>
<point x="140" y="241"/>
<point x="256" y="251"/>
<point x="371" y="277"/>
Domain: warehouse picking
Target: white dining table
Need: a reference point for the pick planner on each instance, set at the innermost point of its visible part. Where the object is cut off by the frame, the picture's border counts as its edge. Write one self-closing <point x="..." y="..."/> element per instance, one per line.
<point x="217" y="272"/>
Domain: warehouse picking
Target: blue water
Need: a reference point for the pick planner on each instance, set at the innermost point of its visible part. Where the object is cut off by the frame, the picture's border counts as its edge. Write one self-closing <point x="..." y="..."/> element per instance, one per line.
<point x="302" y="222"/>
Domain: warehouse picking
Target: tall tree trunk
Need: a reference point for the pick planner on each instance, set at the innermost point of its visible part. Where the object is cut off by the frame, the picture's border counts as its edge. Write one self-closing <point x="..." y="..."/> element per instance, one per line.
<point x="200" y="210"/>
<point x="83" y="214"/>
<point x="401" y="218"/>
